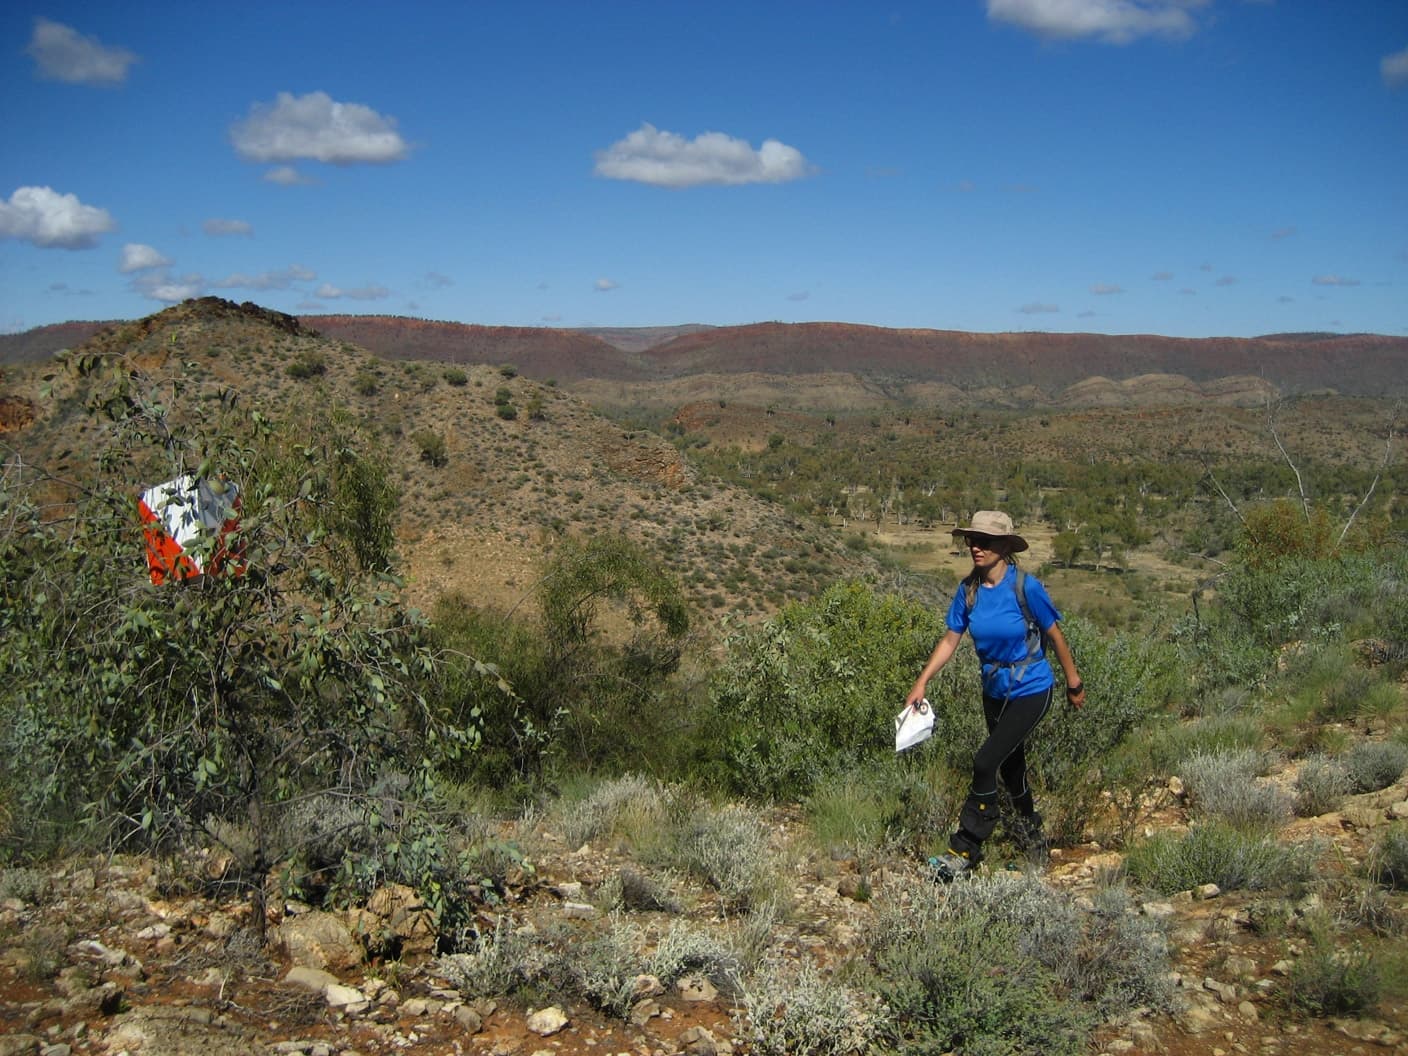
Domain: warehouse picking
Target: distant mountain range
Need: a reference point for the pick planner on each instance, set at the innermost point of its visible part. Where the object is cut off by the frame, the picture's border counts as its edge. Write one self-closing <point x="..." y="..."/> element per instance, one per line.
<point x="891" y="364"/>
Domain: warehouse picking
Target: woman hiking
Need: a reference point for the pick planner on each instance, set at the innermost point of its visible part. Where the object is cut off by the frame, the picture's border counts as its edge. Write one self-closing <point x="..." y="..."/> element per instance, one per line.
<point x="1011" y="619"/>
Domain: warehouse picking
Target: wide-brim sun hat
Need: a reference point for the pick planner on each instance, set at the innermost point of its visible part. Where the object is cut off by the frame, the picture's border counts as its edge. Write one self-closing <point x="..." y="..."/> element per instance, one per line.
<point x="996" y="524"/>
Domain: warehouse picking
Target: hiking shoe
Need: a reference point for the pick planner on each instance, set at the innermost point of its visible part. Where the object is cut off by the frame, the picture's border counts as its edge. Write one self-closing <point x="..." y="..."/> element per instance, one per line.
<point x="1029" y="837"/>
<point x="946" y="868"/>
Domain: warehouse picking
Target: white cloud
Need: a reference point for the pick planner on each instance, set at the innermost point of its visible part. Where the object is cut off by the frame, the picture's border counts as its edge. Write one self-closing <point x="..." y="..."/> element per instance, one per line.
<point x="137" y="257"/>
<point x="51" y="220"/>
<point x="217" y="228"/>
<point x="371" y="292"/>
<point x="1162" y="276"/>
<point x="314" y="127"/>
<point x="1226" y="280"/>
<point x="552" y="317"/>
<point x="1334" y="280"/>
<point x="281" y="279"/>
<point x="1394" y="68"/>
<point x="1283" y="232"/>
<point x="435" y="281"/>
<point x="800" y="295"/>
<point x="1035" y="308"/>
<point x="1105" y="289"/>
<point x="605" y="285"/>
<point x="163" y="287"/>
<point x="666" y="159"/>
<point x="287" y="176"/>
<point x="64" y="54"/>
<point x="1112" y="21"/>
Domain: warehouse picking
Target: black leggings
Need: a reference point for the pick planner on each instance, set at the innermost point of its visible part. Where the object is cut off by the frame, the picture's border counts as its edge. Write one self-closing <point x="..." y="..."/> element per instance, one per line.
<point x="1004" y="753"/>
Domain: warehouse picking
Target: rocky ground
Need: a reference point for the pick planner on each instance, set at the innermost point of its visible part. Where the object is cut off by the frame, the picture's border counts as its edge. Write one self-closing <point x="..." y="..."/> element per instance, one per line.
<point x="107" y="957"/>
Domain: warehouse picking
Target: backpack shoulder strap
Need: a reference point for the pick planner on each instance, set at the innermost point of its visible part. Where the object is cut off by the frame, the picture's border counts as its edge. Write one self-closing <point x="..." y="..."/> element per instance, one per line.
<point x="1036" y="637"/>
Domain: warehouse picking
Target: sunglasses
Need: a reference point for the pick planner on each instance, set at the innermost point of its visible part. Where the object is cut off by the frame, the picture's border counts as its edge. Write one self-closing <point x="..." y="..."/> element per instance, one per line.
<point x="982" y="542"/>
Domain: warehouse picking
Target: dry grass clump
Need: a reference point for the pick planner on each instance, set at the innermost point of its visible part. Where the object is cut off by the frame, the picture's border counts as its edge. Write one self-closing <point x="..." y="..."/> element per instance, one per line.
<point x="631" y="806"/>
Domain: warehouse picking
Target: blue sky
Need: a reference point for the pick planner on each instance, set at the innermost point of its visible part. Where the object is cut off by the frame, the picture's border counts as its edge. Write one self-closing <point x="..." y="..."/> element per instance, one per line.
<point x="1182" y="167"/>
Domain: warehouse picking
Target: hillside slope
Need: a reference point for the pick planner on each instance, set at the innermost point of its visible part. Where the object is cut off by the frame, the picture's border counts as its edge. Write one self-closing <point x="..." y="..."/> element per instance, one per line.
<point x="481" y="522"/>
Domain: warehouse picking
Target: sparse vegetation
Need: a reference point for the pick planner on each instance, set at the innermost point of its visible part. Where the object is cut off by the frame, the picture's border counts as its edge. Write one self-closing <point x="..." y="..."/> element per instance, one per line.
<point x="640" y="628"/>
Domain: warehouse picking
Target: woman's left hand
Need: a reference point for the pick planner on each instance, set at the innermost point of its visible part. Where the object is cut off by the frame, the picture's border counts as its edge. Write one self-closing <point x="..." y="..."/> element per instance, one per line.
<point x="1075" y="695"/>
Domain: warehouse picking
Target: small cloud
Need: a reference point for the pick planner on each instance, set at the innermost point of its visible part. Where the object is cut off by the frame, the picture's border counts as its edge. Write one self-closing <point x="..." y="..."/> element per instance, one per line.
<point x="370" y="292"/>
<point x="1283" y="299"/>
<point x="605" y="285"/>
<point x="1105" y="289"/>
<point x="228" y="228"/>
<point x="1226" y="280"/>
<point x="666" y="159"/>
<point x="137" y="257"/>
<point x="64" y="54"/>
<point x="435" y="281"/>
<point x="552" y="317"/>
<point x="1334" y="280"/>
<point x="1037" y="308"/>
<point x="966" y="186"/>
<point x="1109" y="21"/>
<point x="1161" y="276"/>
<point x="314" y="127"/>
<point x="1087" y="314"/>
<point x="1394" y="69"/>
<point x="268" y="280"/>
<point x="160" y="286"/>
<point x="800" y="295"/>
<point x="1282" y="232"/>
<point x="1205" y="267"/>
<point x="1188" y="292"/>
<point x="49" y="220"/>
<point x="287" y="176"/>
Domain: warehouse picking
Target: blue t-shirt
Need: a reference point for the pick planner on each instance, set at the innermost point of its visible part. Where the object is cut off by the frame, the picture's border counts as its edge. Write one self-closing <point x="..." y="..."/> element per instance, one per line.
<point x="1000" y="634"/>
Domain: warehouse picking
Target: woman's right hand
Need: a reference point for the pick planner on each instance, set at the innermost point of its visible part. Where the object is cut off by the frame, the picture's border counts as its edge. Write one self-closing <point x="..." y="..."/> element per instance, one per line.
<point x="916" y="695"/>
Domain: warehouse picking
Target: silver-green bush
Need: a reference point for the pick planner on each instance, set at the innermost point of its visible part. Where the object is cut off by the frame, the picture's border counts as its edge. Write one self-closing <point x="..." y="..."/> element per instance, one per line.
<point x="791" y="1009"/>
<point x="1216" y="852"/>
<point x="1224" y="784"/>
<point x="1372" y="765"/>
<point x="1004" y="964"/>
<point x="1321" y="786"/>
<point x="729" y="849"/>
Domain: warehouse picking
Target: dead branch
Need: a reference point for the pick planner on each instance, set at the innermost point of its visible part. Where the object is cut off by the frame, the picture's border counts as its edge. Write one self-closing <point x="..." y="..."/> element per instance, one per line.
<point x="1388" y="449"/>
<point x="1222" y="491"/>
<point x="1300" y="485"/>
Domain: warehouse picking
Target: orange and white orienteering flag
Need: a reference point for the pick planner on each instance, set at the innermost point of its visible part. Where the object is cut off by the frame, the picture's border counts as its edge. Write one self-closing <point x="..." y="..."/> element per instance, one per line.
<point x="186" y="522"/>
